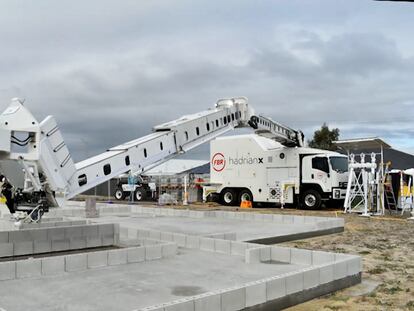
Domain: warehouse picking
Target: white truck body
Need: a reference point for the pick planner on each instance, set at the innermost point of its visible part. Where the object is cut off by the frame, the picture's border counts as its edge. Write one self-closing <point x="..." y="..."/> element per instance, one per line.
<point x="273" y="172"/>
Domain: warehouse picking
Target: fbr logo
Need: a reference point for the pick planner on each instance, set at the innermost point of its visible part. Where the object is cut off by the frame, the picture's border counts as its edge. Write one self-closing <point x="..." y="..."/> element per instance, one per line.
<point x="218" y="162"/>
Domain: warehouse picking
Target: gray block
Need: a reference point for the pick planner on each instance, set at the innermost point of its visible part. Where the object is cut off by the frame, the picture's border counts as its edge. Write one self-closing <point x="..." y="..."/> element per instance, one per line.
<point x="275" y="288"/>
<point x="326" y="274"/>
<point x="265" y="254"/>
<point x="287" y="219"/>
<point x="4" y="237"/>
<point x="90" y="231"/>
<point x="153" y="252"/>
<point x="167" y="236"/>
<point x="132" y="233"/>
<point x="60" y="245"/>
<point x="7" y="270"/>
<point x="28" y="268"/>
<point x="168" y="250"/>
<point x="55" y="233"/>
<point x="77" y="243"/>
<point x="106" y="229"/>
<point x="252" y="255"/>
<point x="136" y="254"/>
<point x="340" y="269"/>
<point x="207" y="244"/>
<point x="354" y="265"/>
<point x="6" y="249"/>
<point x="179" y="239"/>
<point x="73" y="232"/>
<point x="238" y="248"/>
<point x="76" y="262"/>
<point x="192" y="241"/>
<point x="310" y="278"/>
<point x="117" y="257"/>
<point x="42" y="247"/>
<point x="97" y="259"/>
<point x="108" y="240"/>
<point x="319" y="257"/>
<point x="208" y="302"/>
<point x="282" y="254"/>
<point x="222" y="246"/>
<point x="294" y="283"/>
<point x="93" y="241"/>
<point x="278" y="218"/>
<point x="301" y="256"/>
<point x="233" y="299"/>
<point x="181" y="305"/>
<point x="53" y="265"/>
<point x="255" y="293"/>
<point x="123" y="232"/>
<point x="156" y="235"/>
<point x="23" y="248"/>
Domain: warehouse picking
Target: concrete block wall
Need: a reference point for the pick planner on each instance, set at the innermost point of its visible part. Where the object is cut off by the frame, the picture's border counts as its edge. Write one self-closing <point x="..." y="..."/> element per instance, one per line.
<point x="50" y="223"/>
<point x="55" y="239"/>
<point x="57" y="265"/>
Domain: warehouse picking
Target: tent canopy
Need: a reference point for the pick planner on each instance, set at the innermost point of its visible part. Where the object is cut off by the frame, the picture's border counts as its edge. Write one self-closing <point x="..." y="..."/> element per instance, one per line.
<point x="362" y="143"/>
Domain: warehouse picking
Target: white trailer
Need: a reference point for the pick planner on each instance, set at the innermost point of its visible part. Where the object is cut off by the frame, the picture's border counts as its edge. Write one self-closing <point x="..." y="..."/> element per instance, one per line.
<point x="259" y="169"/>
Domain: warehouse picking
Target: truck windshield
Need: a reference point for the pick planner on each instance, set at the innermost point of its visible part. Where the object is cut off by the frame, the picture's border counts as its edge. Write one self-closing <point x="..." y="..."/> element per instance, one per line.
<point x="339" y="164"/>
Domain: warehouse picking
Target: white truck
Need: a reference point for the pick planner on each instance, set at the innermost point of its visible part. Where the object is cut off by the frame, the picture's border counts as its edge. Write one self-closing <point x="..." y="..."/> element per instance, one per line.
<point x="270" y="168"/>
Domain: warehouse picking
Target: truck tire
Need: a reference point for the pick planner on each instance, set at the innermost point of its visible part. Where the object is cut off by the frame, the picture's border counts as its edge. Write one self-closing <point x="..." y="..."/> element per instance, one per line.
<point x="245" y="195"/>
<point x="139" y="195"/>
<point x="311" y="199"/>
<point x="119" y="194"/>
<point x="229" y="197"/>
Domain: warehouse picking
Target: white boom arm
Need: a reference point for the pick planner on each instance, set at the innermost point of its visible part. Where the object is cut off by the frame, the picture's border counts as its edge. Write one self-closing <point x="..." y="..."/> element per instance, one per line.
<point x="42" y="152"/>
<point x="271" y="129"/>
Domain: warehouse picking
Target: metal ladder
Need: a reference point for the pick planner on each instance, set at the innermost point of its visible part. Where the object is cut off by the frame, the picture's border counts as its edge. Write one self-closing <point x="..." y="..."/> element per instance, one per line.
<point x="390" y="197"/>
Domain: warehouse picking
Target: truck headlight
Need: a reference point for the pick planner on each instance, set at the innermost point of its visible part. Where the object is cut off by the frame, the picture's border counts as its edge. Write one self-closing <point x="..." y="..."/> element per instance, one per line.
<point x="337" y="194"/>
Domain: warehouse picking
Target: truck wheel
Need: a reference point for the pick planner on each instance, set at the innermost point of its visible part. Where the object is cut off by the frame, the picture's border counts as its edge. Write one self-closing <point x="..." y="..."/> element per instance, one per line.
<point x="119" y="194"/>
<point x="229" y="197"/>
<point x="311" y="199"/>
<point x="139" y="195"/>
<point x="245" y="195"/>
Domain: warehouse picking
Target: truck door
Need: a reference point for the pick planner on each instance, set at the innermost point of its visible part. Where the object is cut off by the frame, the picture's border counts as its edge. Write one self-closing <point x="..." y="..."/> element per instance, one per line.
<point x="315" y="170"/>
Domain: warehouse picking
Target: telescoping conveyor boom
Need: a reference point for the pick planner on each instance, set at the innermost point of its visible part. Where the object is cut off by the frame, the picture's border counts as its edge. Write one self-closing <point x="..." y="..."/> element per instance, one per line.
<point x="43" y="155"/>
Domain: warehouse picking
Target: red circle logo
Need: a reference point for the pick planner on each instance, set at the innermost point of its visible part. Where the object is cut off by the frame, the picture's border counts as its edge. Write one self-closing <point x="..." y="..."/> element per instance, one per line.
<point x="218" y="162"/>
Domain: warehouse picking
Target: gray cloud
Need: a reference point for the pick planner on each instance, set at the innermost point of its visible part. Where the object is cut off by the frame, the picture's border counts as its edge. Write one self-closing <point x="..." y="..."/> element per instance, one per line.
<point x="109" y="72"/>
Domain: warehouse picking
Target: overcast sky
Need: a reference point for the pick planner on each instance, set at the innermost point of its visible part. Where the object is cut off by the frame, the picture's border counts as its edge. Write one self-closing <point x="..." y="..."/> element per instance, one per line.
<point x="110" y="70"/>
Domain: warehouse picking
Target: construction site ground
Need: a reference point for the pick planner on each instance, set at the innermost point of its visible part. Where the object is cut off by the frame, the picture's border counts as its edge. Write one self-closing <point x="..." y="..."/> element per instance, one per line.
<point x="386" y="244"/>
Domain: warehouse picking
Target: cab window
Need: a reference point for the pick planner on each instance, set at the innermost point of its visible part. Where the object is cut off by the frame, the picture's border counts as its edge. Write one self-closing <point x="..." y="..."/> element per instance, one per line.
<point x="321" y="164"/>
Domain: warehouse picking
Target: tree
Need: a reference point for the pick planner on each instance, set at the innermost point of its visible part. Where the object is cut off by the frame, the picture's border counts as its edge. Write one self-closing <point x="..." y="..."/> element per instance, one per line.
<point x="324" y="137"/>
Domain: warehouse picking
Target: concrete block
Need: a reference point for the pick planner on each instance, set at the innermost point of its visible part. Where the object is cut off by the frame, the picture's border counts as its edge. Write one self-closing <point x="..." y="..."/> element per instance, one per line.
<point x="207" y="244"/>
<point x="153" y="252"/>
<point x="267" y="217"/>
<point x="55" y="233"/>
<point x="167" y="236"/>
<point x="180" y="239"/>
<point x="93" y="241"/>
<point x="77" y="262"/>
<point x="294" y="282"/>
<point x="60" y="245"/>
<point x="117" y="257"/>
<point x="354" y="265"/>
<point x="168" y="250"/>
<point x="4" y="237"/>
<point x="185" y="304"/>
<point x="20" y="236"/>
<point x="133" y="233"/>
<point x="238" y="248"/>
<point x="192" y="241"/>
<point x="7" y="270"/>
<point x="282" y="254"/>
<point x="310" y="278"/>
<point x="255" y="293"/>
<point x="123" y="232"/>
<point x="108" y="240"/>
<point x="37" y="234"/>
<point x="208" y="302"/>
<point x="222" y="246"/>
<point x="156" y="235"/>
<point x="28" y="268"/>
<point x="326" y="273"/>
<point x="77" y="243"/>
<point x="97" y="259"/>
<point x="73" y="232"/>
<point x="136" y="254"/>
<point x="319" y="258"/>
<point x="143" y="234"/>
<point x="233" y="299"/>
<point x="301" y="256"/>
<point x="275" y="288"/>
<point x="277" y="218"/>
<point x="63" y="223"/>
<point x="230" y="236"/>
<point x="252" y="255"/>
<point x="53" y="265"/>
<point x="23" y="248"/>
<point x="287" y="219"/>
<point x="6" y="249"/>
<point x="40" y="247"/>
<point x="265" y="254"/>
<point x="340" y="269"/>
<point x="258" y="217"/>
